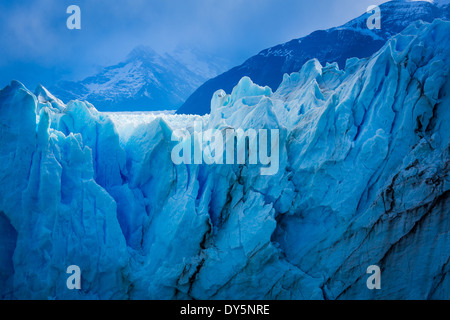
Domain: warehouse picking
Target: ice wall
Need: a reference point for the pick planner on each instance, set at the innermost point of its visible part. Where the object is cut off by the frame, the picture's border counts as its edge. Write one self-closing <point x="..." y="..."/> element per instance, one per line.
<point x="362" y="180"/>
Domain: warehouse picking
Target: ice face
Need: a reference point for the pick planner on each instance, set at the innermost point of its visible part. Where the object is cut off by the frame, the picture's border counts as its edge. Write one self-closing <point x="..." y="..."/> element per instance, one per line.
<point x="362" y="180"/>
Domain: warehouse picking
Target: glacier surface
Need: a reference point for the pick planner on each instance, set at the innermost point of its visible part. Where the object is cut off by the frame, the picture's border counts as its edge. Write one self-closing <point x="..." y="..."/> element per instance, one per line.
<point x="363" y="180"/>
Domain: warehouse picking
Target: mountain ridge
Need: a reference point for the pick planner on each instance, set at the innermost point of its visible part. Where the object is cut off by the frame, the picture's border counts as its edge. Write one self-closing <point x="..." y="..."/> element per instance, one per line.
<point x="352" y="39"/>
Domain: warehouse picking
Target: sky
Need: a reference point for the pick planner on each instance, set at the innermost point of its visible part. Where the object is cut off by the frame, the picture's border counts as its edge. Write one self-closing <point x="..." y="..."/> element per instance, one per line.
<point x="36" y="45"/>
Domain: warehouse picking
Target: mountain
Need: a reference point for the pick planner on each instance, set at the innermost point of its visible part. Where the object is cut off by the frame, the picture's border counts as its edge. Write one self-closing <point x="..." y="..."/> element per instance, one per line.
<point x="353" y="39"/>
<point x="361" y="179"/>
<point x="145" y="81"/>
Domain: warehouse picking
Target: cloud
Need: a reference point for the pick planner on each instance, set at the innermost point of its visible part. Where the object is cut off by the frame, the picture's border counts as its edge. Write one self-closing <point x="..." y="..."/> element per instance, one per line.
<point x="35" y="31"/>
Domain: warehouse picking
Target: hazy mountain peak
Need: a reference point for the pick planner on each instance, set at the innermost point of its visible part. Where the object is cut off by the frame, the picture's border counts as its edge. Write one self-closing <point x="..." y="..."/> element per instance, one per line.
<point x="142" y="51"/>
<point x="145" y="80"/>
<point x="353" y="39"/>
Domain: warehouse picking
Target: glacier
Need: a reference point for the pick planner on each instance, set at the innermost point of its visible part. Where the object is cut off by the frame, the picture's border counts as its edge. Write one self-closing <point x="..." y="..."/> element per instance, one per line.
<point x="362" y="180"/>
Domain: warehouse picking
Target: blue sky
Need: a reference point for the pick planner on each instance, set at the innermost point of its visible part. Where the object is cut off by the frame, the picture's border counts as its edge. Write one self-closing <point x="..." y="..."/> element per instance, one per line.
<point x="38" y="47"/>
